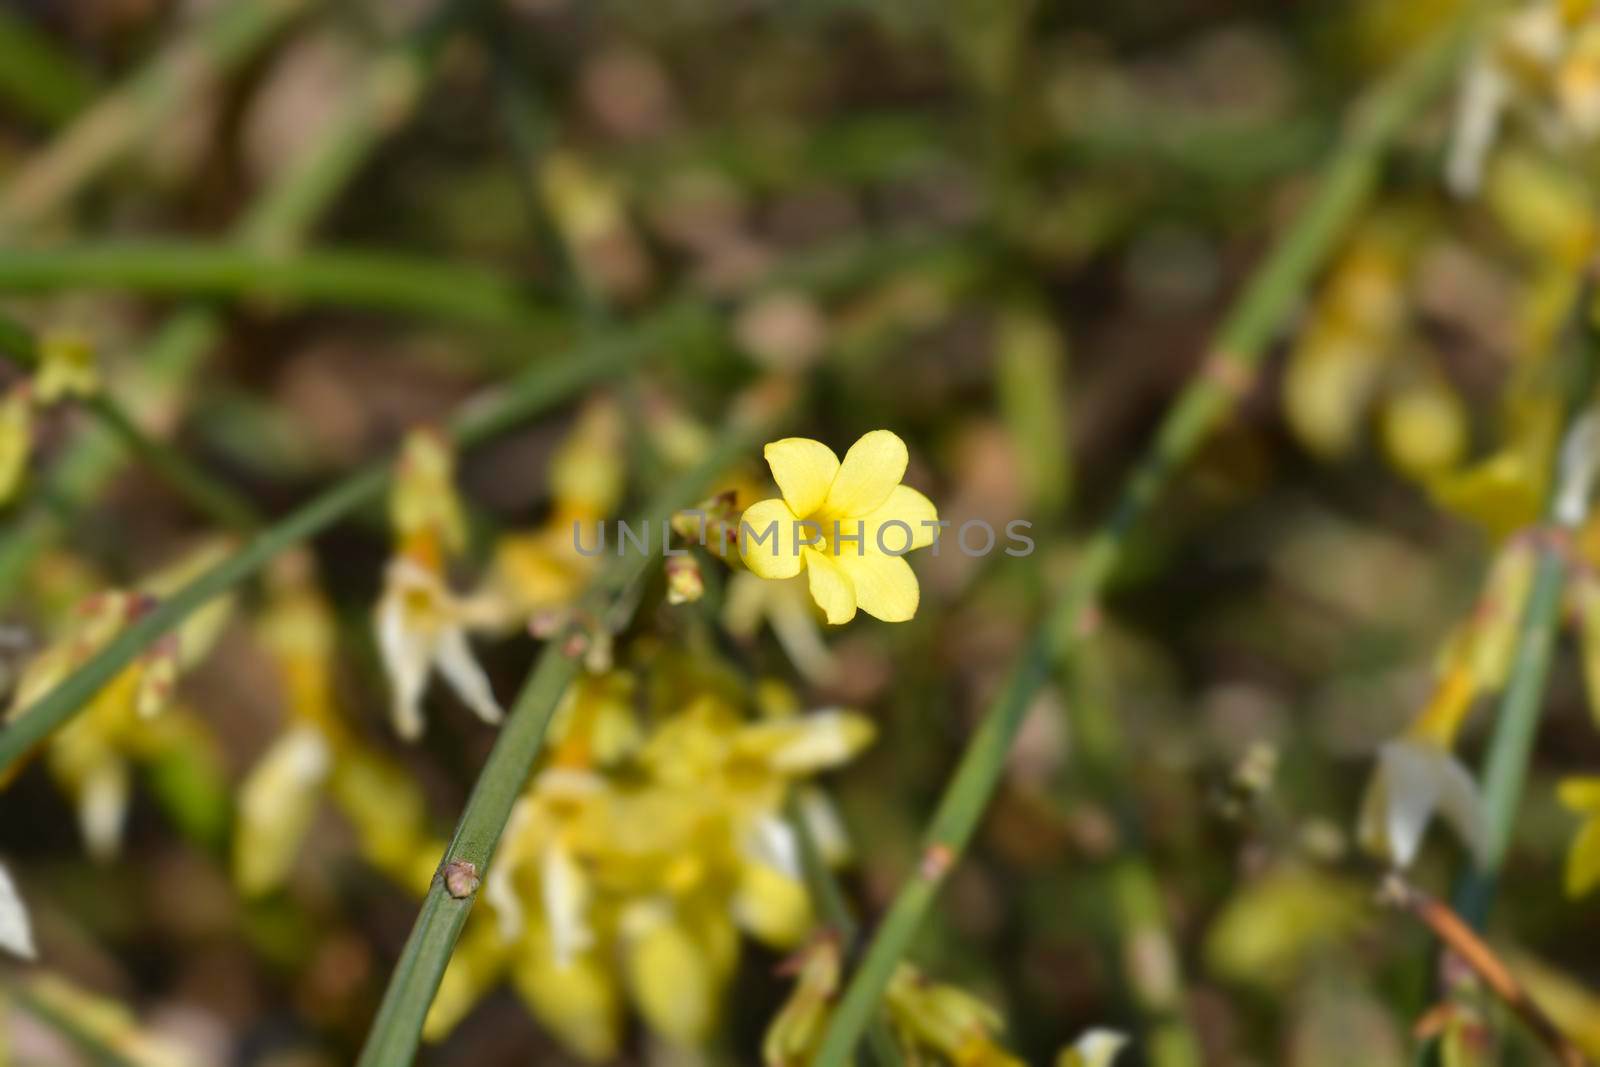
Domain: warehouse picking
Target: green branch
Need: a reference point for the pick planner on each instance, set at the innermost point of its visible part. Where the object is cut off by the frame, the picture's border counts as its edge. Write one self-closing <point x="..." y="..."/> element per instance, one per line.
<point x="209" y="496"/>
<point x="535" y="390"/>
<point x="36" y="76"/>
<point x="376" y="281"/>
<point x="1238" y="346"/>
<point x="392" y="1042"/>
<point x="278" y="218"/>
<point x="1505" y="768"/>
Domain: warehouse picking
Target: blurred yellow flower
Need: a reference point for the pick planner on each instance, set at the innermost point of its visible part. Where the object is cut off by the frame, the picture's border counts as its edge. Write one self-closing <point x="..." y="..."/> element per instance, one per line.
<point x="797" y="1029"/>
<point x="67" y="368"/>
<point x="946" y="1020"/>
<point x="847" y="525"/>
<point x="16" y="438"/>
<point x="90" y="756"/>
<point x="1582" y="795"/>
<point x="421" y="625"/>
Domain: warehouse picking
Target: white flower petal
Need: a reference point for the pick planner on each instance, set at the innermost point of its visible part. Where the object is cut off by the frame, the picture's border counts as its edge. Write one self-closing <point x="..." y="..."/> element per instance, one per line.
<point x="406" y="654"/>
<point x="102" y="806"/>
<point x="565" y="890"/>
<point x="16" y="931"/>
<point x="772" y="841"/>
<point x="460" y="668"/>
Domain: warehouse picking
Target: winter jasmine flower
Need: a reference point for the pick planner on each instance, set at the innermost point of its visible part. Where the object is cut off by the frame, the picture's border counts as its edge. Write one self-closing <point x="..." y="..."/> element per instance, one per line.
<point x="846" y="524"/>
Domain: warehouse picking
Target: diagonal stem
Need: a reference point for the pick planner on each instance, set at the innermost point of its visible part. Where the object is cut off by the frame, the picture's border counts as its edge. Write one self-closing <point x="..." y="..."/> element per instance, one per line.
<point x="542" y="386"/>
<point x="276" y="221"/>
<point x="1517" y="720"/>
<point x="392" y="1041"/>
<point x="1240" y="344"/>
<point x="209" y="496"/>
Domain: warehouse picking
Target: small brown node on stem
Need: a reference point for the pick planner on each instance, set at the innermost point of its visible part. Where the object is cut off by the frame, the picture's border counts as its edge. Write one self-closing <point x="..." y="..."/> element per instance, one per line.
<point x="460" y="878"/>
<point x="936" y="861"/>
<point x="1088" y="622"/>
<point x="1228" y="373"/>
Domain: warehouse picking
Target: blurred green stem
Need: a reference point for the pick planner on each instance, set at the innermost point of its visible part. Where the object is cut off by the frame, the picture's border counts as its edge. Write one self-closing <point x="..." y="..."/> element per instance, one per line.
<point x="41" y="80"/>
<point x="278" y="219"/>
<point x="833" y="910"/>
<point x="1346" y="185"/>
<point x="1505" y="768"/>
<point x="392" y="1041"/>
<point x="209" y="496"/>
<point x="120" y="119"/>
<point x="541" y="386"/>
<point x="364" y="279"/>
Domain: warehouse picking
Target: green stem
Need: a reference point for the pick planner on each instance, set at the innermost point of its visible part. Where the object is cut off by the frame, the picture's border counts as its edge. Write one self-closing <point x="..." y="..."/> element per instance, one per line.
<point x="277" y="219"/>
<point x="1505" y="769"/>
<point x="536" y="390"/>
<point x="1238" y="346"/>
<point x="834" y="910"/>
<point x="36" y="76"/>
<point x="370" y="280"/>
<point x="209" y="496"/>
<point x="124" y="116"/>
<point x="392" y="1041"/>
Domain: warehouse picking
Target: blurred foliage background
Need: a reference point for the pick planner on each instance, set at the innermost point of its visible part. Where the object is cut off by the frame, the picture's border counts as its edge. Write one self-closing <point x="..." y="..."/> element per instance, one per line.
<point x="1005" y="231"/>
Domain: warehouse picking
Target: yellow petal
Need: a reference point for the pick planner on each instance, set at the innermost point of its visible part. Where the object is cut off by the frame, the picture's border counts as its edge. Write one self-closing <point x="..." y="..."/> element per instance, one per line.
<point x="773" y="907"/>
<point x="803" y="469"/>
<point x="905" y="505"/>
<point x="1580" y="794"/>
<point x="885" y="586"/>
<point x="16" y="439"/>
<point x="276" y="807"/>
<point x="672" y="982"/>
<point x="831" y="587"/>
<point x="767" y="539"/>
<point x="870" y="471"/>
<point x="1583" y="860"/>
<point x="579" y="1003"/>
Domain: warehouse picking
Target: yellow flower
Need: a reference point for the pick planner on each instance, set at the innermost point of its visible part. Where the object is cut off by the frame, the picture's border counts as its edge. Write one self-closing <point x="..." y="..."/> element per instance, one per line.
<point x="797" y="1028"/>
<point x="945" y="1019"/>
<point x="16" y="438"/>
<point x="847" y="524"/>
<point x="276" y="805"/>
<point x="66" y="368"/>
<point x="423" y="501"/>
<point x="421" y="625"/>
<point x="89" y="757"/>
<point x="1582" y="795"/>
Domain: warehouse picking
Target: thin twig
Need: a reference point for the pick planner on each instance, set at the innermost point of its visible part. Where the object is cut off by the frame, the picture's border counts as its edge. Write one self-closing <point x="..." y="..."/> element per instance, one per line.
<point x="1460" y="938"/>
<point x="1242" y="340"/>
